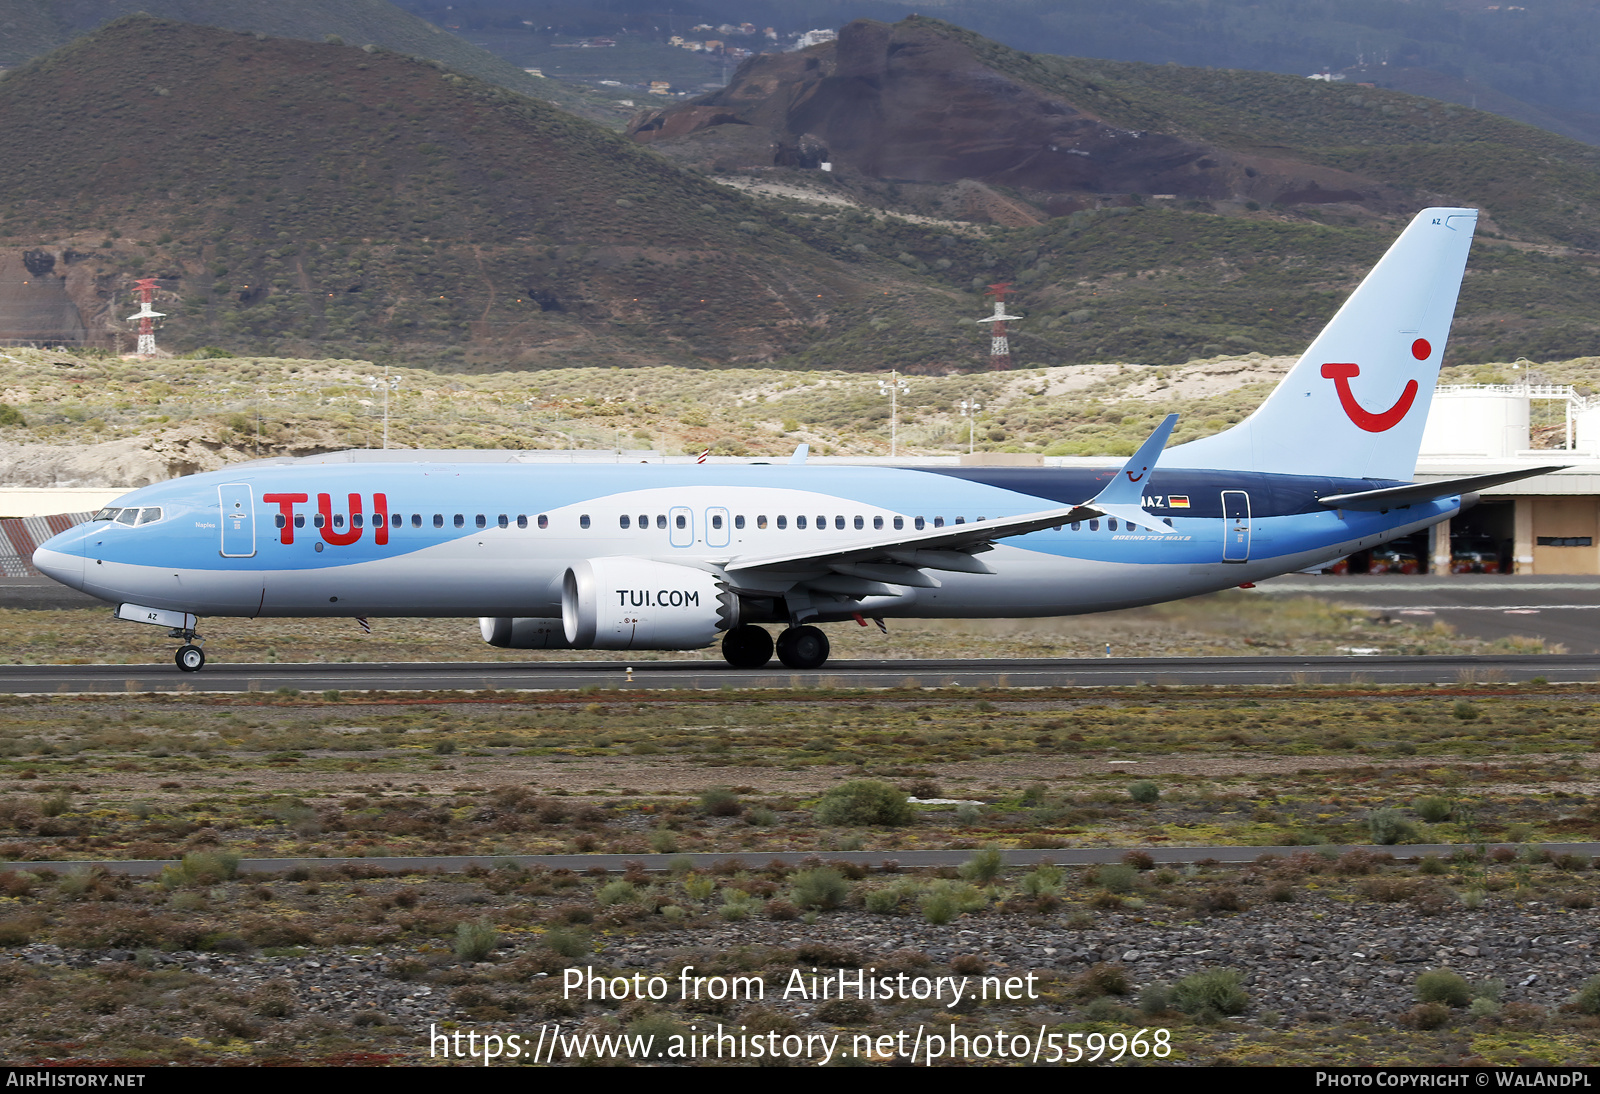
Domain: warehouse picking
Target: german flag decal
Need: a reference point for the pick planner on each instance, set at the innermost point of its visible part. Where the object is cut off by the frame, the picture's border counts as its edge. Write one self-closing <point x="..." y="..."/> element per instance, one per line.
<point x="1178" y="501"/>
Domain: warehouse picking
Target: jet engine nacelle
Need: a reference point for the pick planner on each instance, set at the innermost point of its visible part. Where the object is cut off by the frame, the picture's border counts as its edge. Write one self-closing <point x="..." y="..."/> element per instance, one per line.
<point x="524" y="633"/>
<point x="637" y="604"/>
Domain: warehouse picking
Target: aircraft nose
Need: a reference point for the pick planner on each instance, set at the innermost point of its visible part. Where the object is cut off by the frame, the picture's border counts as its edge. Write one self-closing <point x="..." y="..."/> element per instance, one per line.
<point x="61" y="558"/>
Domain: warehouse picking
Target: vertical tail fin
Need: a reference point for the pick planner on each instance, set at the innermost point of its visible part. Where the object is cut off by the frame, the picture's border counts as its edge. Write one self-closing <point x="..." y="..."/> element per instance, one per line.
<point x="1356" y="402"/>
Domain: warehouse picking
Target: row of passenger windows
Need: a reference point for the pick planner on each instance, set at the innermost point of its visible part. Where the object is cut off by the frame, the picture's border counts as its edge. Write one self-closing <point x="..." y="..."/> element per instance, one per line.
<point x="680" y="520"/>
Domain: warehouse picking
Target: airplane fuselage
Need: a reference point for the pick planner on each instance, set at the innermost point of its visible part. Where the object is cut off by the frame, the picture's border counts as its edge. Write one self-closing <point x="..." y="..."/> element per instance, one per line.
<point x="448" y="539"/>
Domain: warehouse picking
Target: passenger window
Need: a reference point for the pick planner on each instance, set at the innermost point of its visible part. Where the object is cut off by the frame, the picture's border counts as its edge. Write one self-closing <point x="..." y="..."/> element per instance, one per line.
<point x="480" y="521"/>
<point x="644" y="521"/>
<point x="920" y="524"/>
<point x="899" y="523"/>
<point x="838" y="522"/>
<point x="761" y="521"/>
<point x="624" y="521"/>
<point x="316" y="521"/>
<point x="461" y="521"/>
<point x="682" y="521"/>
<point x="783" y="522"/>
<point x="716" y="520"/>
<point x="1112" y="524"/>
<point x="961" y="520"/>
<point x="438" y="520"/>
<point x="1094" y="526"/>
<point x="278" y="521"/>
<point x="299" y="520"/>
<point x="800" y="522"/>
<point x="522" y="520"/>
<point x="338" y="520"/>
<point x="395" y="520"/>
<point x="738" y="522"/>
<point x="938" y="522"/>
<point x="544" y="521"/>
<point x="355" y="520"/>
<point x="877" y="523"/>
<point x="416" y="520"/>
<point x="503" y="521"/>
<point x="1077" y="526"/>
<point x="822" y="523"/>
<point x="583" y="521"/>
<point x="661" y="520"/>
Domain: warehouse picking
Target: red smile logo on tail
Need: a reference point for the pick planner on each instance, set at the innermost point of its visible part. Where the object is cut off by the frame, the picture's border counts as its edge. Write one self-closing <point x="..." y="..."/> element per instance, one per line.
<point x="1340" y="374"/>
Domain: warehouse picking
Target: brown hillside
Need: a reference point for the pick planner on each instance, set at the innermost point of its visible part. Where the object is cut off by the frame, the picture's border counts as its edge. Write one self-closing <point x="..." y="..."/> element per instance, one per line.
<point x="329" y="200"/>
<point x="913" y="103"/>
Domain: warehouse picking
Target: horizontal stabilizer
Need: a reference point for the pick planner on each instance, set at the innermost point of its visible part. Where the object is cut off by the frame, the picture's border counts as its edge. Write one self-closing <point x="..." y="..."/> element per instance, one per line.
<point x="1392" y="497"/>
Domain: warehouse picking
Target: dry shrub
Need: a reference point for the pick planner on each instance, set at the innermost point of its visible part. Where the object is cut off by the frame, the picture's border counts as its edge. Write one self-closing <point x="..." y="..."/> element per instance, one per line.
<point x="1222" y="898"/>
<point x="845" y="1012"/>
<point x="1388" y="890"/>
<point x="968" y="964"/>
<point x="1424" y="1016"/>
<point x="267" y="932"/>
<point x="1106" y="978"/>
<point x="1360" y="861"/>
<point x="824" y="954"/>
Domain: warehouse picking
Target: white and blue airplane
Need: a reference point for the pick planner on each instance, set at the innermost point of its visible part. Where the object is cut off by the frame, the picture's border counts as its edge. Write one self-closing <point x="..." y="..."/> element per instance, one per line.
<point x="669" y="557"/>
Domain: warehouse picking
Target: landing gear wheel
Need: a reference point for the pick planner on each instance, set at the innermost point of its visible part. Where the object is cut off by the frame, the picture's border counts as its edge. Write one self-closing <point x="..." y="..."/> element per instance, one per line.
<point x="803" y="648"/>
<point x="190" y="658"/>
<point x="747" y="647"/>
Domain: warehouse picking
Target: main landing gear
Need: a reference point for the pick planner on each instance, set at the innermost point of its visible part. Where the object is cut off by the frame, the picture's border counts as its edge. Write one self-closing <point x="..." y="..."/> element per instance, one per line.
<point x="190" y="657"/>
<point x="750" y="647"/>
<point x="747" y="647"/>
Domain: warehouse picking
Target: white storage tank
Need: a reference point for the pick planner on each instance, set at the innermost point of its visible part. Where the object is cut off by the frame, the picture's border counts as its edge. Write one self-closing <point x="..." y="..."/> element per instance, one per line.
<point x="1486" y="422"/>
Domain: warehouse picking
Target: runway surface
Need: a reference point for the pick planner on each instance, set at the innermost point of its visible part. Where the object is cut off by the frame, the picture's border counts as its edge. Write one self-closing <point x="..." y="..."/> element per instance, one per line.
<point x="715" y="674"/>
<point x="1557" y="609"/>
<point x="1560" y="609"/>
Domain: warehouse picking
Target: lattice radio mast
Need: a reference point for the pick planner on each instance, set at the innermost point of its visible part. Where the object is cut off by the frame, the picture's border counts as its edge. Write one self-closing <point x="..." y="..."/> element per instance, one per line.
<point x="146" y="287"/>
<point x="999" y="345"/>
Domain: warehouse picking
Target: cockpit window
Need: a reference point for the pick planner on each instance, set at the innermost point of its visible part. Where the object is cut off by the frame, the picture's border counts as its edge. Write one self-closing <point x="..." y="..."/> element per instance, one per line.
<point x="148" y="515"/>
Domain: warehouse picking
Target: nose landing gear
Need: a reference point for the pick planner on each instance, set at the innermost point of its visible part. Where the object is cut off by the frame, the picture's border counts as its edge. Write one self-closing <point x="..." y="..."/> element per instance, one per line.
<point x="190" y="656"/>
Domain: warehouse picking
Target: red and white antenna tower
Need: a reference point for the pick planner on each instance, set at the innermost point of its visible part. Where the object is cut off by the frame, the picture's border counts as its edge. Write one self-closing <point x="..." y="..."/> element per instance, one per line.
<point x="146" y="287"/>
<point x="999" y="346"/>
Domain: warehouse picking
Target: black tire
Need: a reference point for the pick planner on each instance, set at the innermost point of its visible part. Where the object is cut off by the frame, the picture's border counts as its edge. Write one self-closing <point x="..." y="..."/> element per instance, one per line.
<point x="190" y="658"/>
<point x="747" y="647"/>
<point x="803" y="648"/>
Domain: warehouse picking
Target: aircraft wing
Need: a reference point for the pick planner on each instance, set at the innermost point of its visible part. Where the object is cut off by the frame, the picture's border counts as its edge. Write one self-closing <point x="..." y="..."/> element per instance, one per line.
<point x="870" y="565"/>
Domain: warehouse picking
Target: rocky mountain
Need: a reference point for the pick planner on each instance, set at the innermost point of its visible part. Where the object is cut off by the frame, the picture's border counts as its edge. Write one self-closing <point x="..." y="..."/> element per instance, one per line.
<point x="329" y="200"/>
<point x="31" y="28"/>
<point x="922" y="102"/>
<point x="323" y="200"/>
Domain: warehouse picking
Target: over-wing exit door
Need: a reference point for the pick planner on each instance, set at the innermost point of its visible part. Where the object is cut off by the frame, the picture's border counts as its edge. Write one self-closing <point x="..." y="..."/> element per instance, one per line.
<point x="1235" y="526"/>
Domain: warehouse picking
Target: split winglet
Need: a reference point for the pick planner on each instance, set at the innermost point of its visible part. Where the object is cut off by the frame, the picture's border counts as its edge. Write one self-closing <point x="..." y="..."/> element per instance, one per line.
<point x="1123" y="496"/>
